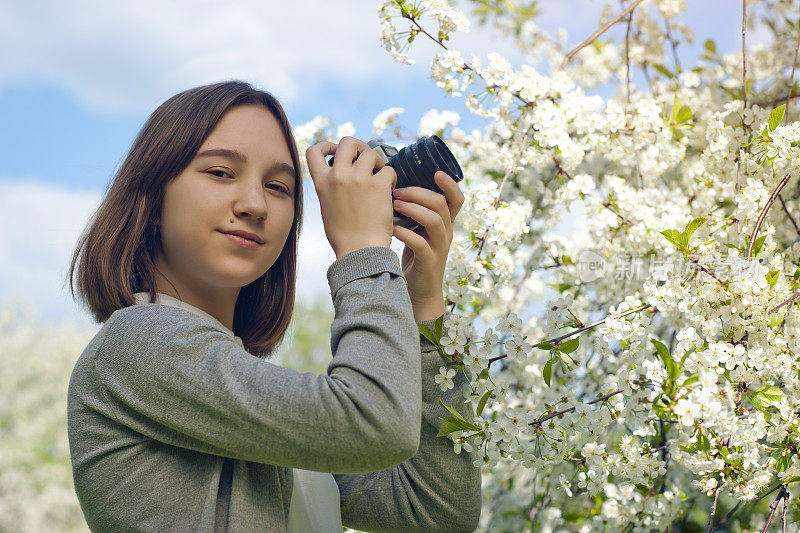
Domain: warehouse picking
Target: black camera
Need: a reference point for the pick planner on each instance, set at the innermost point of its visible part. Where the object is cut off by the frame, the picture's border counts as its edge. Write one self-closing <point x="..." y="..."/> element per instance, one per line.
<point x="415" y="166"/>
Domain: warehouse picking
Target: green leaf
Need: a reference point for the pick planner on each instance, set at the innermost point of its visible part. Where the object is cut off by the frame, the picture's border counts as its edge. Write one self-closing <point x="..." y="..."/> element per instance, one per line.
<point x="660" y="407"/>
<point x="673" y="236"/>
<point x="694" y="378"/>
<point x="782" y="463"/>
<point x="544" y="346"/>
<point x="775" y="116"/>
<point x="548" y="371"/>
<point x="664" y="70"/>
<point x="758" y="404"/>
<point x="676" y="105"/>
<point x="459" y="423"/>
<point x="669" y="362"/>
<point x="772" y="277"/>
<point x="703" y="443"/>
<point x="448" y="427"/>
<point x="482" y="402"/>
<point x="771" y="395"/>
<point x="570" y="345"/>
<point x="560" y="287"/>
<point x="453" y="411"/>
<point x="723" y="452"/>
<point x="438" y="326"/>
<point x="710" y="45"/>
<point x="426" y="331"/>
<point x="758" y="244"/>
<point x="684" y="114"/>
<point x="691" y="227"/>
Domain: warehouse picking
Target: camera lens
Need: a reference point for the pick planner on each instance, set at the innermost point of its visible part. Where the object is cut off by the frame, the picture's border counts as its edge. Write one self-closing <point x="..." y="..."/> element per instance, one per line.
<point x="416" y="164"/>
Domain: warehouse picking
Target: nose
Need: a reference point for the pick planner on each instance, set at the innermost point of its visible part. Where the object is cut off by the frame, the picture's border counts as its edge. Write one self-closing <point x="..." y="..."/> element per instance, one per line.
<point x="251" y="198"/>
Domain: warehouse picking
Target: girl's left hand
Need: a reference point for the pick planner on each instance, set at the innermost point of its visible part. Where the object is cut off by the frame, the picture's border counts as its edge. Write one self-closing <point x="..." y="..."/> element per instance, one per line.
<point x="425" y="254"/>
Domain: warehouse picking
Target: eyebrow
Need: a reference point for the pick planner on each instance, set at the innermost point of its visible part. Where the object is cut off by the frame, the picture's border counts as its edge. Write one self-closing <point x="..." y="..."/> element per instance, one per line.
<point x="239" y="157"/>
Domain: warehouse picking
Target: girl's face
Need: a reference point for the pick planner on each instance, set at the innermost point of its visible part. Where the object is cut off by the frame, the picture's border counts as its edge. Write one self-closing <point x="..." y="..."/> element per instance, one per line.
<point x="240" y="179"/>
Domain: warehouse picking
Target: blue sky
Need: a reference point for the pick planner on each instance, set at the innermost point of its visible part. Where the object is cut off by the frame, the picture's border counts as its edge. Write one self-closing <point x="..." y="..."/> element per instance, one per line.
<point x="85" y="75"/>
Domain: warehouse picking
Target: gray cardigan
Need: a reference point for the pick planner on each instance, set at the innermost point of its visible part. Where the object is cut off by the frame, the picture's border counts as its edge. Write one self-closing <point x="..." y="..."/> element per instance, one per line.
<point x="161" y="397"/>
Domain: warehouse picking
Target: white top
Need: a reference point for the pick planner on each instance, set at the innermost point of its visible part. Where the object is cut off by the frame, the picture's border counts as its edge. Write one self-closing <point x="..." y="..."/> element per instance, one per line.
<point x="314" y="506"/>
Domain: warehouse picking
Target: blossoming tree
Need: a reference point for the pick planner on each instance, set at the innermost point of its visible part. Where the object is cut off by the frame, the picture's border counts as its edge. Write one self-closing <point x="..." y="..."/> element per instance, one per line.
<point x="661" y="386"/>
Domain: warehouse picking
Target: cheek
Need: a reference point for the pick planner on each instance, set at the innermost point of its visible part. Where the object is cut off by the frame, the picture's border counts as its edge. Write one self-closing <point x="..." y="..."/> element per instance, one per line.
<point x="186" y="229"/>
<point x="287" y="217"/>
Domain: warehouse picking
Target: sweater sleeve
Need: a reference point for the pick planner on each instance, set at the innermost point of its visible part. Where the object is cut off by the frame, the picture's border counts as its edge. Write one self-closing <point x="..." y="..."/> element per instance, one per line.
<point x="435" y="490"/>
<point x="177" y="378"/>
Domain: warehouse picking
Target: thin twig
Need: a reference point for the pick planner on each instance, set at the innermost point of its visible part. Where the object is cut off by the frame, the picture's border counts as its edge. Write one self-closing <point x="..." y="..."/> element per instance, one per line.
<point x="598" y="33"/>
<point x="744" y="54"/>
<point x="774" y="506"/>
<point x="570" y="409"/>
<point x="763" y="214"/>
<point x="710" y="525"/>
<point x="674" y="44"/>
<point x="790" y="299"/>
<point x="730" y="514"/>
<point x="584" y="328"/>
<point x="783" y="517"/>
<point x="776" y="101"/>
<point x="788" y="214"/>
<point x="627" y="56"/>
<point x="502" y="184"/>
<point x="791" y="78"/>
<point x="744" y="99"/>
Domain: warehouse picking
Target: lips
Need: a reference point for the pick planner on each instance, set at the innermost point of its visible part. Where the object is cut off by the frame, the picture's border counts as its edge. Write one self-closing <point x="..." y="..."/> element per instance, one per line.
<point x="241" y="241"/>
<point x="245" y="235"/>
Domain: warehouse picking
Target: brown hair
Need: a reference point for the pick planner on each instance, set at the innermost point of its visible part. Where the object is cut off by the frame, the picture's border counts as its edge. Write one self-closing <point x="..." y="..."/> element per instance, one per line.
<point x="116" y="249"/>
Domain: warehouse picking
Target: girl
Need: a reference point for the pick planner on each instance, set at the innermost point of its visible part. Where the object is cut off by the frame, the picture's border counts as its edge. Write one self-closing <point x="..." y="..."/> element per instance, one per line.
<point x="176" y="420"/>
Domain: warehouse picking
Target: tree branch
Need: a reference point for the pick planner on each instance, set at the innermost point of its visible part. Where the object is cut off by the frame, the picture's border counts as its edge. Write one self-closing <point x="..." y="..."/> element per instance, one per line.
<point x="579" y="330"/>
<point x="763" y="214"/>
<point x="781" y="494"/>
<point x="570" y="409"/>
<point x="598" y="33"/>
<point x="710" y="525"/>
<point x="788" y="214"/>
<point x="744" y="54"/>
<point x="791" y="78"/>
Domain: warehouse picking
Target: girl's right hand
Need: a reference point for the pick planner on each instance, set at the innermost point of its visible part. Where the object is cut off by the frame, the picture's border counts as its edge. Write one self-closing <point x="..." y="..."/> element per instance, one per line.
<point x="354" y="199"/>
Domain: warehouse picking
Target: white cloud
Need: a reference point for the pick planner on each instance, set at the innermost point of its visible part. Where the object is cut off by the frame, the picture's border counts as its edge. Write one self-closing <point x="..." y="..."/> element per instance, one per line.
<point x="119" y="56"/>
<point x="129" y="56"/>
<point x="39" y="225"/>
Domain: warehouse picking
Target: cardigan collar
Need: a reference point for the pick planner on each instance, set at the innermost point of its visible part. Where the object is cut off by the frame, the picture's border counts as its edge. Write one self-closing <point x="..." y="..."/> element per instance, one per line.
<point x="165" y="299"/>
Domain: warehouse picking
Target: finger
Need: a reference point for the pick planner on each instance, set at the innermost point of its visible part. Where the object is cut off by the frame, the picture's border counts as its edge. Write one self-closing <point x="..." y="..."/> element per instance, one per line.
<point x="431" y="220"/>
<point x="315" y="157"/>
<point x="388" y="173"/>
<point x="418" y="244"/>
<point x="432" y="200"/>
<point x="452" y="192"/>
<point x="370" y="160"/>
<point x="349" y="149"/>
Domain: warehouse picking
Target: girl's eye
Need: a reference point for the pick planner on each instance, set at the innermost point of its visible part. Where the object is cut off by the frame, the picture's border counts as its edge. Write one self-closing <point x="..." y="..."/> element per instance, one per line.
<point x="218" y="172"/>
<point x="277" y="187"/>
<point x="280" y="188"/>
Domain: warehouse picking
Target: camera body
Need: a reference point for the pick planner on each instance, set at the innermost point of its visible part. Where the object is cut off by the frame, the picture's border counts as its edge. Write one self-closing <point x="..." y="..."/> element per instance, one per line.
<point x="415" y="166"/>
